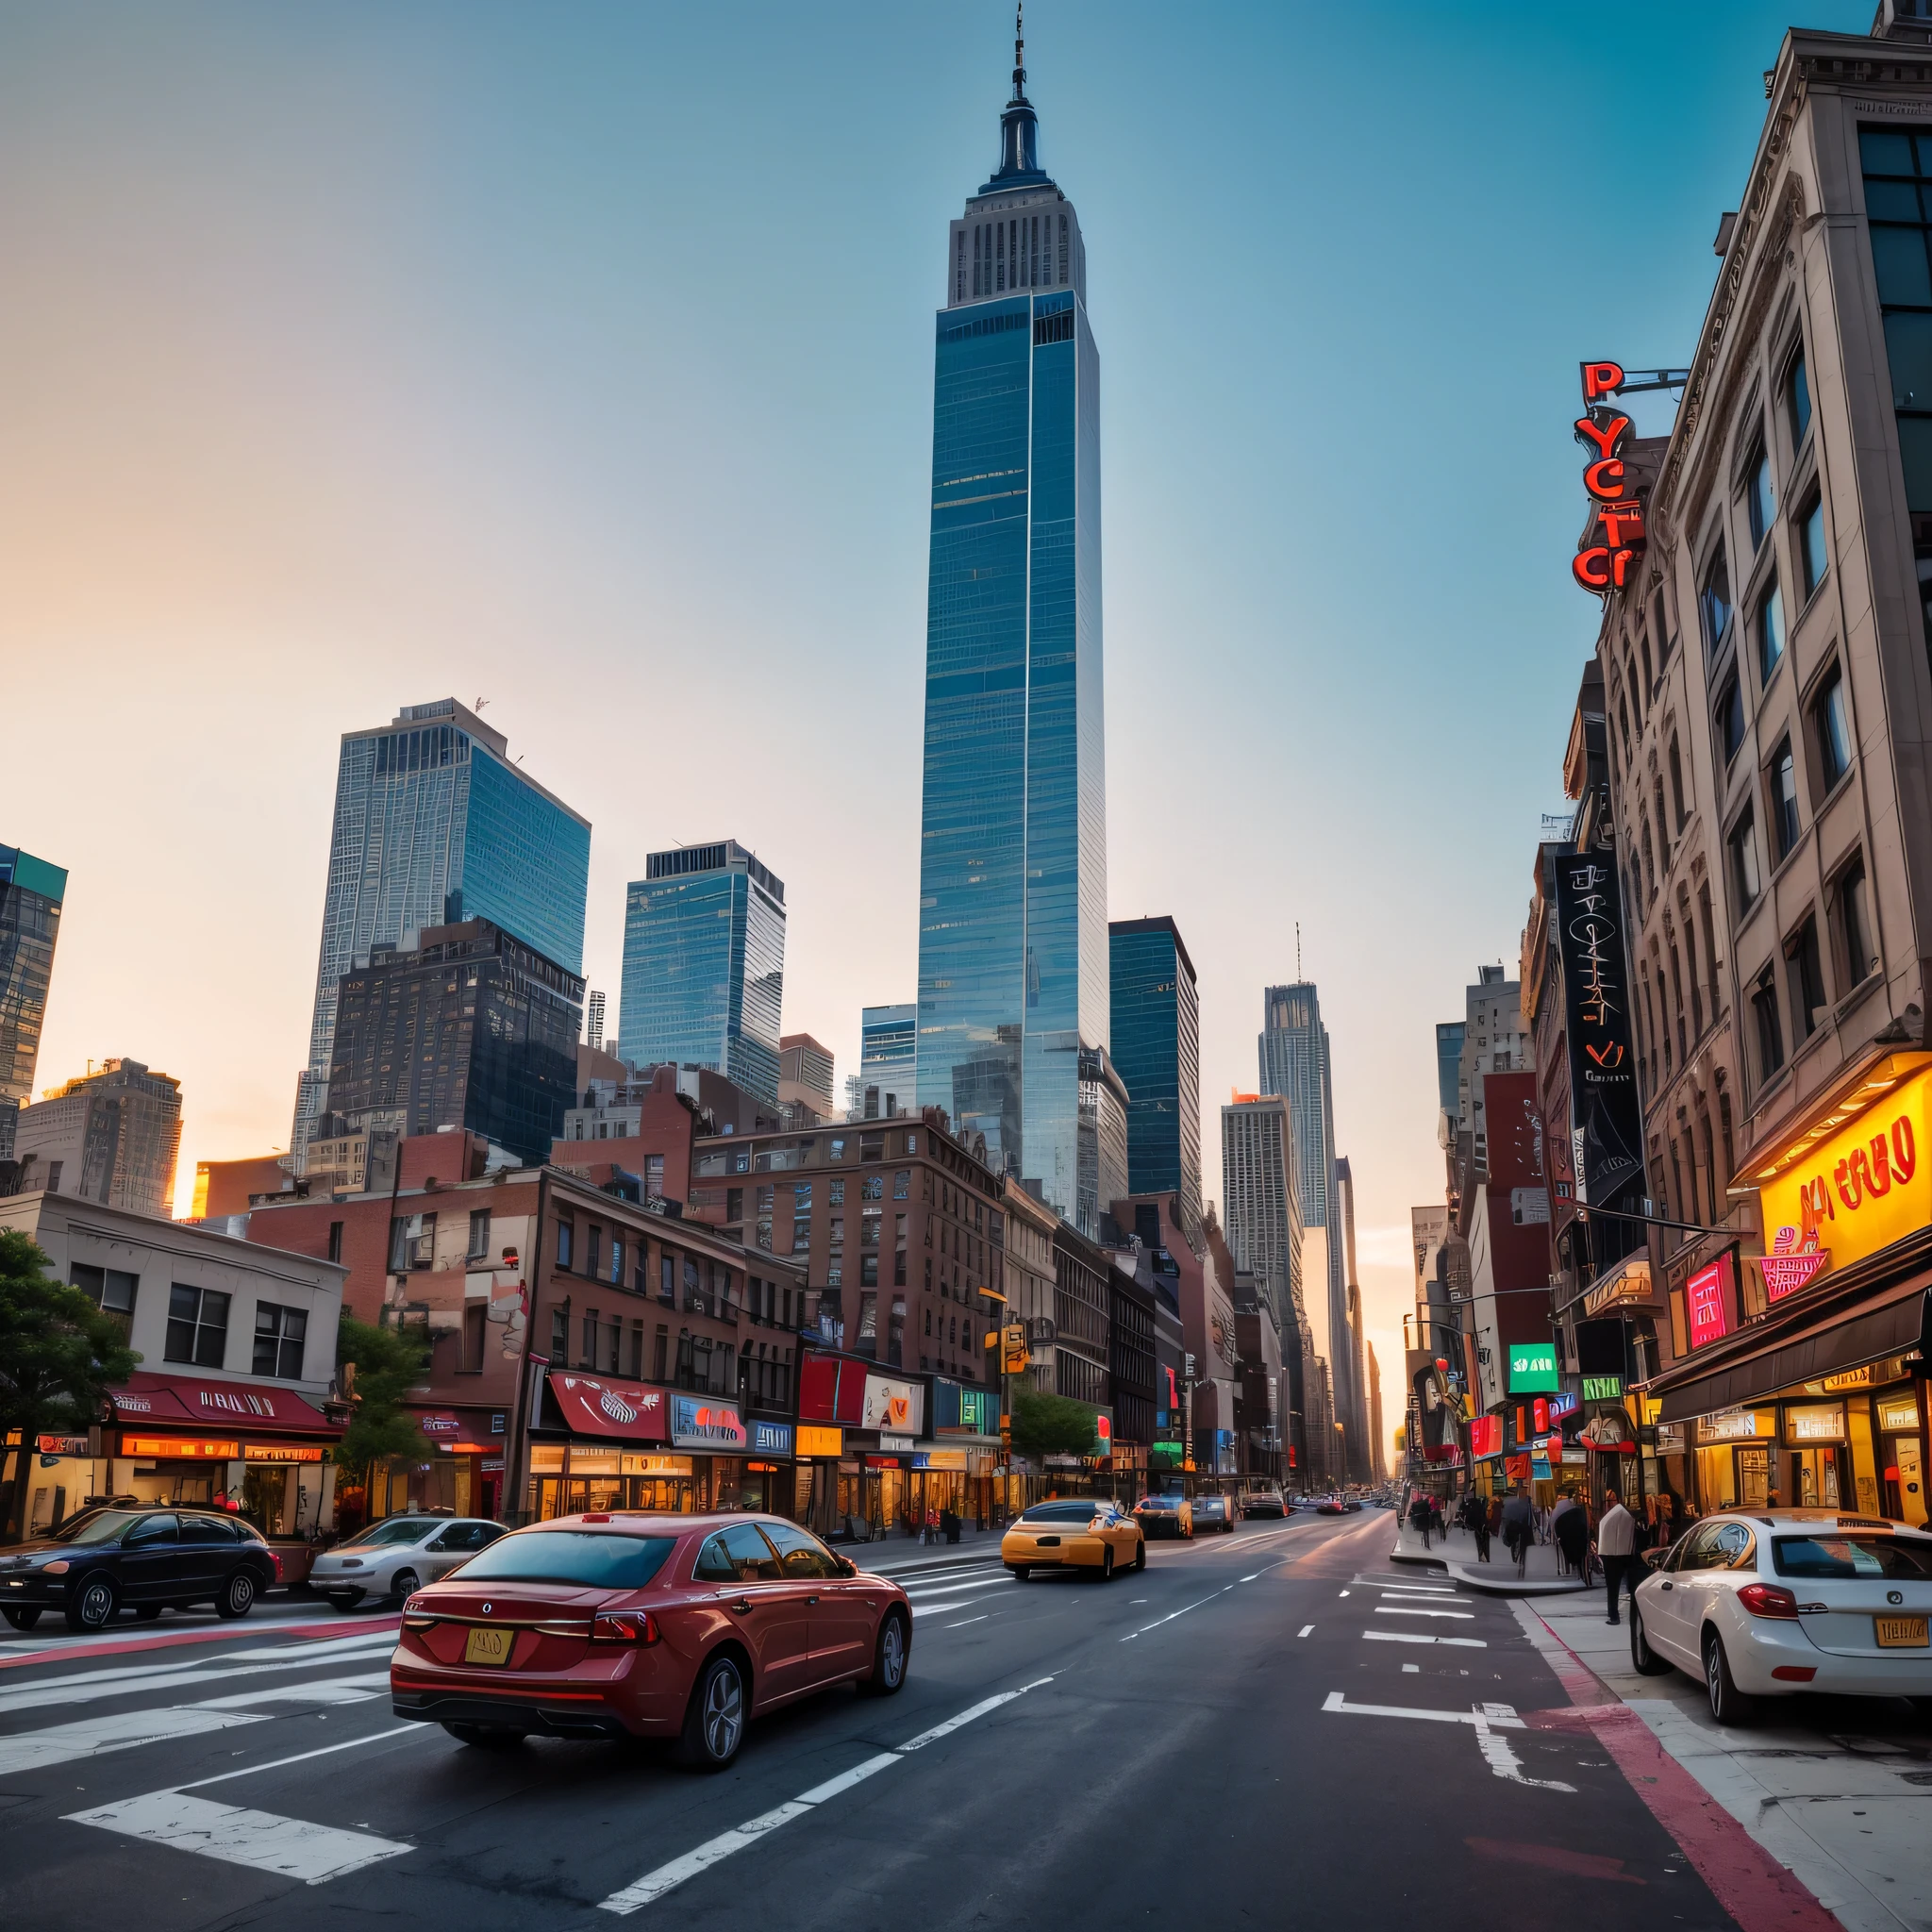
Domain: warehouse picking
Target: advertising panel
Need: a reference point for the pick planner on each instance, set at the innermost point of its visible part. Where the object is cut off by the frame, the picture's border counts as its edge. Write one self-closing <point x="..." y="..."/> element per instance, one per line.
<point x="899" y="1407"/>
<point x="1485" y="1436"/>
<point x="1606" y="1123"/>
<point x="770" y="1439"/>
<point x="1532" y="1368"/>
<point x="1815" y="1421"/>
<point x="595" y="1406"/>
<point x="816" y="1440"/>
<point x="1710" y="1301"/>
<point x="705" y="1422"/>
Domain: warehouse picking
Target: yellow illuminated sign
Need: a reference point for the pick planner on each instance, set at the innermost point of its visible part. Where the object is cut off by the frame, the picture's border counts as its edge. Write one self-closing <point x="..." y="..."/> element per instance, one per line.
<point x="819" y="1441"/>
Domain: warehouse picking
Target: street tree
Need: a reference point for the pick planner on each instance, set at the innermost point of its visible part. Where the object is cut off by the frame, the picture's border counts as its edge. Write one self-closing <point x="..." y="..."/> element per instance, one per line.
<point x="1047" y="1425"/>
<point x="59" y="1357"/>
<point x="379" y="1368"/>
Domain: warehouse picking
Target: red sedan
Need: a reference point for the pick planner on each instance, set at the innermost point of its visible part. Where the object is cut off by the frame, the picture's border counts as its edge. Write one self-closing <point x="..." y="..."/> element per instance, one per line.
<point x="629" y="1625"/>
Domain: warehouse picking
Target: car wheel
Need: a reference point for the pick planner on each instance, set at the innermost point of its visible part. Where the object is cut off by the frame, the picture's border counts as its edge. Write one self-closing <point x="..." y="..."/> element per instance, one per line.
<point x="1141" y="1553"/>
<point x="714" y="1720"/>
<point x="238" y="1595"/>
<point x="404" y="1586"/>
<point x="93" y="1607"/>
<point x="1728" y="1705"/>
<point x="1646" y="1660"/>
<point x="345" y="1599"/>
<point x="887" y="1659"/>
<point x="147" y="1613"/>
<point x="1021" y="1573"/>
<point x="1106" y="1564"/>
<point x="488" y="1735"/>
<point x="24" y="1618"/>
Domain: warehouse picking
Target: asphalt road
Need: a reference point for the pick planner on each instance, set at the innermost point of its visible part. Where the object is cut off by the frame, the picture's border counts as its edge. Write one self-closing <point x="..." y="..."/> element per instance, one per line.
<point x="1271" y="1728"/>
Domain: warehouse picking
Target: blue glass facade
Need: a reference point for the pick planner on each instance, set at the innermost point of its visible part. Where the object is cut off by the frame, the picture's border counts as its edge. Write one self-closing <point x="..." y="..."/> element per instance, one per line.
<point x="31" y="894"/>
<point x="1156" y="1051"/>
<point x="432" y="825"/>
<point x="1012" y="929"/>
<point x="887" y="1040"/>
<point x="704" y="965"/>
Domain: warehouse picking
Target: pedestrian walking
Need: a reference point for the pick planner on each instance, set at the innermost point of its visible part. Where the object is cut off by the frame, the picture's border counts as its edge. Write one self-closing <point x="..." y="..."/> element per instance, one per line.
<point x="1616" y="1543"/>
<point x="1519" y="1526"/>
<point x="1479" y="1526"/>
<point x="1572" y="1533"/>
<point x="1419" y="1518"/>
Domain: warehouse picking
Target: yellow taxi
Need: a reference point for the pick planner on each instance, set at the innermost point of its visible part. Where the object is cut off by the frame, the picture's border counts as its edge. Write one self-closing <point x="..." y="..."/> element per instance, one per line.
<point x="1074" y="1533"/>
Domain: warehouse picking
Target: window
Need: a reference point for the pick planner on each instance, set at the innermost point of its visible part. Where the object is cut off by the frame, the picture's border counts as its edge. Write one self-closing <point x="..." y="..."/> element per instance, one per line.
<point x="559" y="1334"/>
<point x="197" y="1326"/>
<point x="1676" y="765"/>
<point x="411" y="1243"/>
<point x="734" y="1205"/>
<point x="1745" y="876"/>
<point x="1771" y="633"/>
<point x="1812" y="544"/>
<point x="667" y="1277"/>
<point x="654" y="1176"/>
<point x="1806" y="980"/>
<point x="335" y="1240"/>
<point x="111" y="1289"/>
<point x="902" y="1185"/>
<point x="1730" y="716"/>
<point x="1760" y="495"/>
<point x="566" y="1237"/>
<point x="589" y="1347"/>
<point x="1797" y="398"/>
<point x="1784" y="799"/>
<point x="1855" y="924"/>
<point x="475" y="1318"/>
<point x="279" y="1335"/>
<point x="593" y="1251"/>
<point x="1771" y="1039"/>
<point x="873" y="1187"/>
<point x="1714" y="600"/>
<point x="1832" y="728"/>
<point x="479" y="1234"/>
<point x="615" y="1277"/>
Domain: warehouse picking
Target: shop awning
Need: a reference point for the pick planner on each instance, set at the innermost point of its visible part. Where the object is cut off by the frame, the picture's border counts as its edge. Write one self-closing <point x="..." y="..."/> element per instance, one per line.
<point x="1890" y="1320"/>
<point x="256" y="1409"/>
<point x="595" y="1406"/>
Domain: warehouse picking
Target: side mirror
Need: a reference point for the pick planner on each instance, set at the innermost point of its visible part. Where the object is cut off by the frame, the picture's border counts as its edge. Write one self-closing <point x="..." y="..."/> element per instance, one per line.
<point x="846" y="1566"/>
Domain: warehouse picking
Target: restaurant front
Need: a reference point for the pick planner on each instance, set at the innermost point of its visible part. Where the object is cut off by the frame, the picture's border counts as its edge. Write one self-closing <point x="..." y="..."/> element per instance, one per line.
<point x="1800" y="1374"/>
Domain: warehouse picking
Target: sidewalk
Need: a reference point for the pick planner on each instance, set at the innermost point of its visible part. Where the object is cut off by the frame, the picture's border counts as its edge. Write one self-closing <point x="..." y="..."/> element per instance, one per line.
<point x="1839" y="1790"/>
<point x="1455" y="1554"/>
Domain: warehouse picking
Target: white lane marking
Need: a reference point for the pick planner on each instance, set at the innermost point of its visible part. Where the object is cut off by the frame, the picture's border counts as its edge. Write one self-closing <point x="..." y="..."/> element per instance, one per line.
<point x="290" y="1655"/>
<point x="667" y="1877"/>
<point x="302" y="1757"/>
<point x="1413" y="1670"/>
<point x="329" y="1690"/>
<point x="921" y="1596"/>
<point x="1504" y="1762"/>
<point x="1341" y="1593"/>
<point x="1416" y="1636"/>
<point x="89" y="1736"/>
<point x="1305" y="1629"/>
<point x="1498" y="1716"/>
<point x="969" y="1620"/>
<point x="1170" y="1615"/>
<point x="290" y="1847"/>
<point x="1406" y="1611"/>
<point x="1408" y="1590"/>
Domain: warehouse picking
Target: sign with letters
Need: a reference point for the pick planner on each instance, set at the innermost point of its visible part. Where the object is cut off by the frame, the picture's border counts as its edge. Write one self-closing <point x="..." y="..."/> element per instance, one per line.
<point x="1613" y="537"/>
<point x="1606" y="1130"/>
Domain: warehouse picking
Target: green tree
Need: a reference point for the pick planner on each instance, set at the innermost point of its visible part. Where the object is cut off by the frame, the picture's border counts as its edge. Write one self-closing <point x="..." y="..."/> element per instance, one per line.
<point x="1052" y="1424"/>
<point x="388" y="1363"/>
<point x="59" y="1357"/>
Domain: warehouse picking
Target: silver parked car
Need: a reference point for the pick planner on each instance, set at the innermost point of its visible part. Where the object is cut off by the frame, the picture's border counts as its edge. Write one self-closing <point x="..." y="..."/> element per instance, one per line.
<point x="398" y="1555"/>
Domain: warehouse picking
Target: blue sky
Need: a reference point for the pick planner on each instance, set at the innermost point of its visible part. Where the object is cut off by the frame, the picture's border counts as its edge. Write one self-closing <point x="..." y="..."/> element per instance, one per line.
<point x="580" y="357"/>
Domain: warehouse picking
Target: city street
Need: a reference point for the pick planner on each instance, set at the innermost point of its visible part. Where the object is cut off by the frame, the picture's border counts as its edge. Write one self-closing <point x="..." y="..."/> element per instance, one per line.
<point x="1271" y="1723"/>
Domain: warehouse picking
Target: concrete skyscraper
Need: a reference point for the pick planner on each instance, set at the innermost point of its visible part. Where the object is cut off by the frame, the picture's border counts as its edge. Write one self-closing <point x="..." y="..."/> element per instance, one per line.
<point x="1012" y="911"/>
<point x="434" y="825"/>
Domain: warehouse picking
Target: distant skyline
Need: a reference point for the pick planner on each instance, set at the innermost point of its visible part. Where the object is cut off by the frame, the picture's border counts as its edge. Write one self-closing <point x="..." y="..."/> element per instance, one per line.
<point x="571" y="362"/>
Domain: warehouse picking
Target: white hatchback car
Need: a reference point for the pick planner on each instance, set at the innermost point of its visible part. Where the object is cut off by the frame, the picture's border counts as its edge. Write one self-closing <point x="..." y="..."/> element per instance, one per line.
<point x="1793" y="1600"/>
<point x="400" y="1554"/>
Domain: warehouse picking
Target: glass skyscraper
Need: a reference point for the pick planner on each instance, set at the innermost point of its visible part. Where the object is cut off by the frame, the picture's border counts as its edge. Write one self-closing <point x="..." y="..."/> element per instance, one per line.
<point x="31" y="894"/>
<point x="434" y="825"/>
<point x="887" y="1036"/>
<point x="704" y="965"/>
<point x="1012" y="907"/>
<point x="1156" y="1048"/>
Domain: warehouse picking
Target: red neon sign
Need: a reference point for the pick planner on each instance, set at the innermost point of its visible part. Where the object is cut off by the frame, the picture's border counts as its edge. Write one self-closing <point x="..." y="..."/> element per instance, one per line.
<point x="1613" y="539"/>
<point x="1707" y="1303"/>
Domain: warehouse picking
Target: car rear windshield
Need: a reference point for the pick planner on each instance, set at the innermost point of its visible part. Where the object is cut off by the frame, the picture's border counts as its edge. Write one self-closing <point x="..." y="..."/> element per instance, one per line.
<point x="597" y="1559"/>
<point x="1060" y="1512"/>
<point x="1853" y="1559"/>
<point x="398" y="1529"/>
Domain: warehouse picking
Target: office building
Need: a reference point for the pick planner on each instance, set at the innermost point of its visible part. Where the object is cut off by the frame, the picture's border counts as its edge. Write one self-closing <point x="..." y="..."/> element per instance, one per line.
<point x="1295" y="1064"/>
<point x="1355" y="1424"/>
<point x="112" y="1135"/>
<point x="31" y="894"/>
<point x="1157" y="1050"/>
<point x="805" y="1076"/>
<point x="467" y="1029"/>
<point x="1012" y="907"/>
<point x="1262" y="1196"/>
<point x="704" y="965"/>
<point x="594" y="1022"/>
<point x="435" y="825"/>
<point x="885" y="1083"/>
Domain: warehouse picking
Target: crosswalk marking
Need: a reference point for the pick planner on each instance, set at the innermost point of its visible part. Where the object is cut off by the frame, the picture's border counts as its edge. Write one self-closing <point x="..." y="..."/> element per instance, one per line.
<point x="96" y="1687"/>
<point x="290" y="1847"/>
<point x="89" y="1736"/>
<point x="1416" y="1636"/>
<point x="1413" y="1610"/>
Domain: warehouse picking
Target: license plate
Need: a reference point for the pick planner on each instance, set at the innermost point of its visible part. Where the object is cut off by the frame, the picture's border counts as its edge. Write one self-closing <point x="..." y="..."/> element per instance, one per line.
<point x="486" y="1646"/>
<point x="1901" y="1633"/>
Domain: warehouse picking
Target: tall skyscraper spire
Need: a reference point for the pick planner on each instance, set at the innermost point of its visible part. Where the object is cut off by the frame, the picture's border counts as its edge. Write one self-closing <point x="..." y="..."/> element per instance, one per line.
<point x="1013" y="1001"/>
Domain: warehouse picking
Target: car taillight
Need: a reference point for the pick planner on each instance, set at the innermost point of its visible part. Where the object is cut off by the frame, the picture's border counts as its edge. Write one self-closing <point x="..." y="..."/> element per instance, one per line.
<point x="413" y="1622"/>
<point x="1768" y="1600"/>
<point x="624" y="1627"/>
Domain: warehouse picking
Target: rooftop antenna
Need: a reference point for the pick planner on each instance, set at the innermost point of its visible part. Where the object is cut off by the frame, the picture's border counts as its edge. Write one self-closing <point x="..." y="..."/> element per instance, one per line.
<point x="1020" y="50"/>
<point x="1297" y="949"/>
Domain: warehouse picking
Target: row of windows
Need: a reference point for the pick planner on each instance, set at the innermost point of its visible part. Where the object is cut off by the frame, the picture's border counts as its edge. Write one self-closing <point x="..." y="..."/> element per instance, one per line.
<point x="1014" y="254"/>
<point x="197" y="1330"/>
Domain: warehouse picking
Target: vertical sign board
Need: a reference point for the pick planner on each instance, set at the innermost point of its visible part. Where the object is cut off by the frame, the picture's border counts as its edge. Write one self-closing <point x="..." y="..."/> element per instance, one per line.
<point x="1606" y="1123"/>
<point x="1709" y="1296"/>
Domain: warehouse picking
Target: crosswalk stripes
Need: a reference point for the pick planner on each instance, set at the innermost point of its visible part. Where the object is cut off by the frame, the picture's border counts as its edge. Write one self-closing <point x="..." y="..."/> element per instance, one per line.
<point x="289" y="1847"/>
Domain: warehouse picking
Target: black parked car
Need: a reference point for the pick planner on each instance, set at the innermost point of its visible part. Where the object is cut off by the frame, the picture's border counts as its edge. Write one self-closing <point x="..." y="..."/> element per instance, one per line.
<point x="147" y="1560"/>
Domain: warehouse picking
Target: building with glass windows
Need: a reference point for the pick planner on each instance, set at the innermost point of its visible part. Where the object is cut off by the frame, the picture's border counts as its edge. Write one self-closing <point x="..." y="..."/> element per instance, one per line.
<point x="704" y="965"/>
<point x="111" y="1135"/>
<point x="1157" y="1050"/>
<point x="434" y="825"/>
<point x="1012" y="906"/>
<point x="31" y="895"/>
<point x="885" y="1082"/>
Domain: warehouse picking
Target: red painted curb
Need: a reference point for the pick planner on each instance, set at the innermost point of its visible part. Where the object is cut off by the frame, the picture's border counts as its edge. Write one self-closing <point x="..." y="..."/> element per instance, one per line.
<point x="226" y="1633"/>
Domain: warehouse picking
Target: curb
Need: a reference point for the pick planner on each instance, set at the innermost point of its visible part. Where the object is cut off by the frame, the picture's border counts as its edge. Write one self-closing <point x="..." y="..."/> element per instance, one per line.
<point x="1491" y="1585"/>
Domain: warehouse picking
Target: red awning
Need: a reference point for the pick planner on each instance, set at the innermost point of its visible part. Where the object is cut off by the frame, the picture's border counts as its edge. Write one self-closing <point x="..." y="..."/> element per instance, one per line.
<point x="255" y="1409"/>
<point x="596" y="1407"/>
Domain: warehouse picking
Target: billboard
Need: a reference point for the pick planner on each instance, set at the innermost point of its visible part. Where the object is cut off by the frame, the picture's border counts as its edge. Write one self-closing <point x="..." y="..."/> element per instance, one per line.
<point x="1606" y="1121"/>
<point x="897" y="1408"/>
<point x="1532" y="1367"/>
